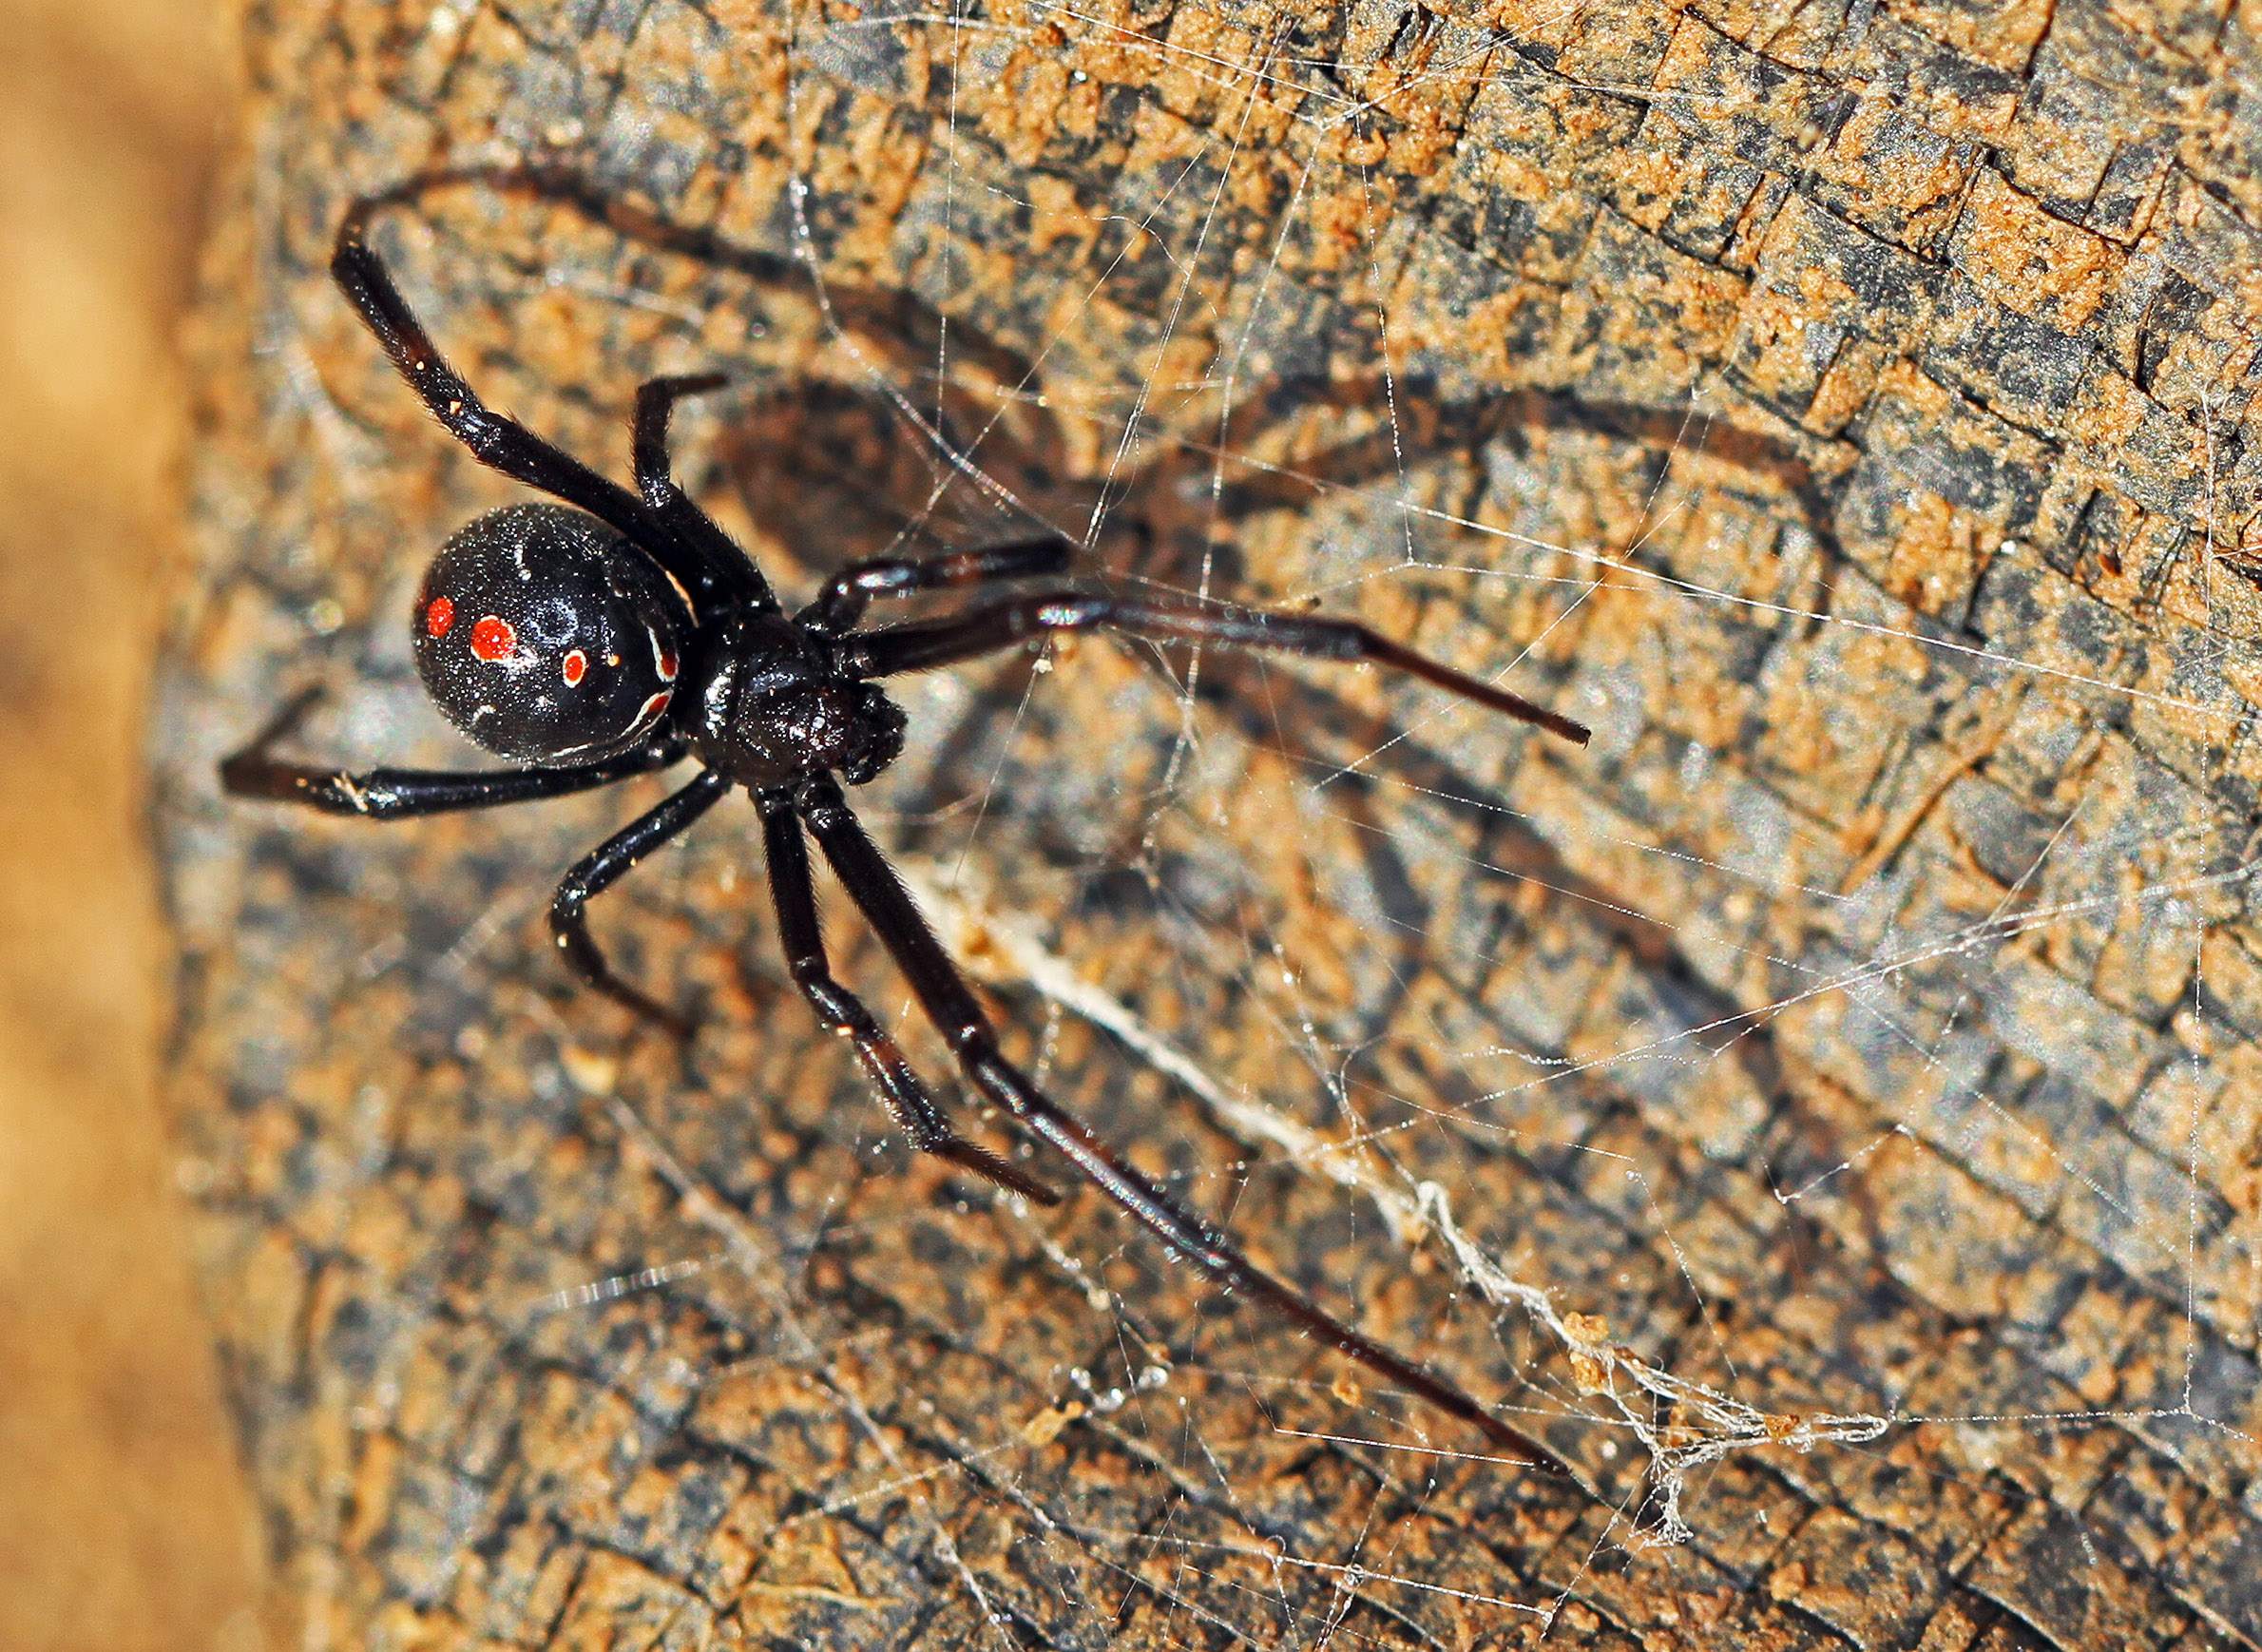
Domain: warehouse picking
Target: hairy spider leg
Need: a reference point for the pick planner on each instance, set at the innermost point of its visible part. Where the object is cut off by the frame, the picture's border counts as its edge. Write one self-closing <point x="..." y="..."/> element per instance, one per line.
<point x="950" y="1004"/>
<point x="253" y="771"/>
<point x="655" y="401"/>
<point x="922" y="646"/>
<point x="707" y="566"/>
<point x="848" y="593"/>
<point x="841" y="1012"/>
<point x="605" y="866"/>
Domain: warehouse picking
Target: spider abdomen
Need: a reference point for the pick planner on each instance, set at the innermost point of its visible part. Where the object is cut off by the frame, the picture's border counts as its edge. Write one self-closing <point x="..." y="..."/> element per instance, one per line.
<point x="546" y="637"/>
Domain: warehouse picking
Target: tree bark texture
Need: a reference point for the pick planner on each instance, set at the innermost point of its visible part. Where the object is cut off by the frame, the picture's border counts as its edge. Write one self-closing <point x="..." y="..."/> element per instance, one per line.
<point x="1825" y="1108"/>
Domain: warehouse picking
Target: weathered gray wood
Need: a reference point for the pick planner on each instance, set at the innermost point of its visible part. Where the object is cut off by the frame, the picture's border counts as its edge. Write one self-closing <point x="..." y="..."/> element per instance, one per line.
<point x="1848" y="409"/>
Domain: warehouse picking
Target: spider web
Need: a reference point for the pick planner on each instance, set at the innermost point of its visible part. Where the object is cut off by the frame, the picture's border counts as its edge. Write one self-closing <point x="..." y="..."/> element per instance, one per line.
<point x="1817" y="1109"/>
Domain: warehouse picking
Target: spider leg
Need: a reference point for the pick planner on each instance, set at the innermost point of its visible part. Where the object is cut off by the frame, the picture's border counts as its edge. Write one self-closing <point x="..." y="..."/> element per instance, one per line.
<point x="849" y="592"/>
<point x="915" y="1111"/>
<point x="501" y="442"/>
<point x="655" y="401"/>
<point x="604" y="867"/>
<point x="927" y="643"/>
<point x="950" y="1005"/>
<point x="393" y="794"/>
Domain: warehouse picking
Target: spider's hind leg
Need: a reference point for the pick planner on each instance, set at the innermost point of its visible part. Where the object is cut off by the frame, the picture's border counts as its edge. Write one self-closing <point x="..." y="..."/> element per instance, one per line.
<point x="695" y="553"/>
<point x="655" y="401"/>
<point x="838" y="1008"/>
<point x="253" y="769"/>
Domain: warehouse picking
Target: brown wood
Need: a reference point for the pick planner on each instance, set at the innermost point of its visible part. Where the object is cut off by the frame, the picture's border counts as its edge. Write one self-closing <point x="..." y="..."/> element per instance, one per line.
<point x="123" y="1524"/>
<point x="1828" y="1098"/>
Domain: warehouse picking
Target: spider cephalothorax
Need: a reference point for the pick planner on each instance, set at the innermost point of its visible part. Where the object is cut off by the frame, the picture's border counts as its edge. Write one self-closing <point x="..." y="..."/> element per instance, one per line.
<point x="623" y="632"/>
<point x="773" y="706"/>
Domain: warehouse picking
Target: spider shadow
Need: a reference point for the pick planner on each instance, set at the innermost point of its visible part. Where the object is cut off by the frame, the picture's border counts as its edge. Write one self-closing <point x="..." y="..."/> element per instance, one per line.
<point x="830" y="464"/>
<point x="827" y="465"/>
<point x="847" y="464"/>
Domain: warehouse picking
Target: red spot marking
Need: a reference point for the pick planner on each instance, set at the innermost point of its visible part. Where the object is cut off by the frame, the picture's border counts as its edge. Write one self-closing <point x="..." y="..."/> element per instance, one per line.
<point x="577" y="667"/>
<point x="667" y="665"/>
<point x="655" y="705"/>
<point x="492" y="639"/>
<point x="439" y="616"/>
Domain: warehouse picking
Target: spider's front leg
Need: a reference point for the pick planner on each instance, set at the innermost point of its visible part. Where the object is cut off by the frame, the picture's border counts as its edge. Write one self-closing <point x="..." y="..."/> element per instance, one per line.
<point x="848" y="593"/>
<point x="926" y="645"/>
<point x="950" y="1004"/>
<point x="838" y="1008"/>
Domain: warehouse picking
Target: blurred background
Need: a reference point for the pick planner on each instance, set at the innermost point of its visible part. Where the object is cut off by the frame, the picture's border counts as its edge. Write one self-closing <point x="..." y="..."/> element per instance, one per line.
<point x="124" y="1522"/>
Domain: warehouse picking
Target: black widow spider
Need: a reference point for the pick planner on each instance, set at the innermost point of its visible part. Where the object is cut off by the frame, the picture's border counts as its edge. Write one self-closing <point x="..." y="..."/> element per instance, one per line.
<point x="618" y="633"/>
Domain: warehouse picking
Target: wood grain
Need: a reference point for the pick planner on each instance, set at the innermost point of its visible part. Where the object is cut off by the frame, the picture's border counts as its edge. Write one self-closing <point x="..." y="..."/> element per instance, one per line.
<point x="1847" y="410"/>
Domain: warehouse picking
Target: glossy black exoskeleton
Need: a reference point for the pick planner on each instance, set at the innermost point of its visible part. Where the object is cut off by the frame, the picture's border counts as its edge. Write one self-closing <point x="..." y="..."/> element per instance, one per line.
<point x="621" y="632"/>
<point x="771" y="705"/>
<point x="547" y="637"/>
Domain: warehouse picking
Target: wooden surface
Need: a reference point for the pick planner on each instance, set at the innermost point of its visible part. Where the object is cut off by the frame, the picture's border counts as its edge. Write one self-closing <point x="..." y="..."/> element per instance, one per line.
<point x="124" y="1525"/>
<point x="1823" y="1107"/>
